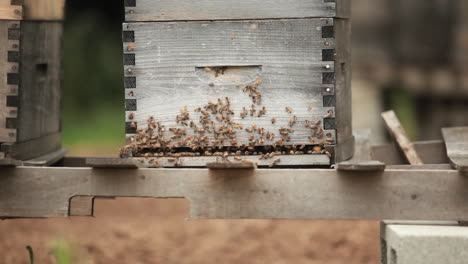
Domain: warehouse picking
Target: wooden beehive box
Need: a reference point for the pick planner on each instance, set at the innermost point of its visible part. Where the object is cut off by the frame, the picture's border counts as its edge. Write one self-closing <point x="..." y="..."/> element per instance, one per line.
<point x="267" y="73"/>
<point x="30" y="77"/>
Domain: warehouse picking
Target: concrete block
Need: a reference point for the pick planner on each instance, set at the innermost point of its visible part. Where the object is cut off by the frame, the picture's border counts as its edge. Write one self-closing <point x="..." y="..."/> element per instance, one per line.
<point x="442" y="243"/>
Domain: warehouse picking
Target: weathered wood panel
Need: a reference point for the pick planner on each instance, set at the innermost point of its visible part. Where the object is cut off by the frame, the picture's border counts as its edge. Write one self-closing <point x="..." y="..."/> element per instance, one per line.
<point x="32" y="148"/>
<point x="50" y="10"/>
<point x="456" y="141"/>
<point x="343" y="116"/>
<point x="40" y="88"/>
<point x="294" y="58"/>
<point x="9" y="79"/>
<point x="431" y="152"/>
<point x="167" y="10"/>
<point x="201" y="162"/>
<point x="399" y="134"/>
<point x="261" y="193"/>
<point x="9" y="11"/>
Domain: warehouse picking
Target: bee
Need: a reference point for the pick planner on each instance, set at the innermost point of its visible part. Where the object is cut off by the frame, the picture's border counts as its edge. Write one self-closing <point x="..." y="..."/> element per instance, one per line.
<point x="309" y="107"/>
<point x="131" y="116"/>
<point x="293" y="121"/>
<point x="258" y="81"/>
<point x="252" y="110"/>
<point x="171" y="160"/>
<point x="288" y="109"/>
<point x="317" y="149"/>
<point x="207" y="69"/>
<point x="275" y="162"/>
<point x="302" y="146"/>
<point x="133" y="124"/>
<point x="273" y="120"/>
<point x="131" y="46"/>
<point x="233" y="36"/>
<point x="156" y="164"/>
<point x="178" y="163"/>
<point x="248" y="129"/>
<point x="238" y="158"/>
<point x="329" y="114"/>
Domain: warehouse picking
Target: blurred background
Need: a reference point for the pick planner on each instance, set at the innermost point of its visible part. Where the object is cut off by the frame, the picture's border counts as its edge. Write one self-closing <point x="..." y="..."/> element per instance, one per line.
<point x="410" y="56"/>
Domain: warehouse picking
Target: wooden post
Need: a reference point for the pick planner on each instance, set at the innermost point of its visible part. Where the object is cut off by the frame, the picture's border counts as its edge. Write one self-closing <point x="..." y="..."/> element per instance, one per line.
<point x="399" y="133"/>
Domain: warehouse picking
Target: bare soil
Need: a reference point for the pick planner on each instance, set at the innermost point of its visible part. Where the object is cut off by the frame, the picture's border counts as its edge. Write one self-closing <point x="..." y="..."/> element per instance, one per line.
<point x="141" y="230"/>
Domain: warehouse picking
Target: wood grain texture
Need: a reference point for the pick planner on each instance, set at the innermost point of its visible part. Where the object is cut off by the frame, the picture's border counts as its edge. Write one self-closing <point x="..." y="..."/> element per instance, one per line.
<point x="48" y="10"/>
<point x="399" y="133"/>
<point x="41" y="75"/>
<point x="261" y="193"/>
<point x="431" y="152"/>
<point x="345" y="147"/>
<point x="81" y="206"/>
<point x="456" y="141"/>
<point x="286" y="54"/>
<point x="33" y="148"/>
<point x="362" y="158"/>
<point x="167" y="10"/>
<point x="201" y="162"/>
<point x="10" y="12"/>
<point x="8" y="113"/>
<point x="48" y="159"/>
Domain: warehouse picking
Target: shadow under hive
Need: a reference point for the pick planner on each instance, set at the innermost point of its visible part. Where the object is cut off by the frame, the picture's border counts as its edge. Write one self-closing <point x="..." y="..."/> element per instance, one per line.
<point x="248" y="77"/>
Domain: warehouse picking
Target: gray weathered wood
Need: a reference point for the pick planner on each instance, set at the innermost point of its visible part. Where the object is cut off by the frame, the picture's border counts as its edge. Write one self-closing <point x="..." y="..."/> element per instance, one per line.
<point x="9" y="43"/>
<point x="362" y="158"/>
<point x="9" y="162"/>
<point x="40" y="89"/>
<point x="228" y="165"/>
<point x="261" y="193"/>
<point x="420" y="167"/>
<point x="81" y="206"/>
<point x="112" y="163"/>
<point x="398" y="132"/>
<point x="431" y="152"/>
<point x="32" y="148"/>
<point x="456" y="141"/>
<point x="167" y="10"/>
<point x="47" y="159"/>
<point x="202" y="161"/>
<point x="345" y="147"/>
<point x="285" y="54"/>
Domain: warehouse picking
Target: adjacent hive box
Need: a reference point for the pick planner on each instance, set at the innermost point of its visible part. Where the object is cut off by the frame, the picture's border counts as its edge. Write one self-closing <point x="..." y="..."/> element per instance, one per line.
<point x="30" y="77"/>
<point x="183" y="55"/>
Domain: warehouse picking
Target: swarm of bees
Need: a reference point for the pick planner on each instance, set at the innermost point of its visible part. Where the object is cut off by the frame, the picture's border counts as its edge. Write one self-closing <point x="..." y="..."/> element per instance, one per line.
<point x="215" y="133"/>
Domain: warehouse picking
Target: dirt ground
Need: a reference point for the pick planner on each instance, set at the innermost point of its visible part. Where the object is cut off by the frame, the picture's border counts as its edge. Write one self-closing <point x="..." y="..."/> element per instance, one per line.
<point x="132" y="230"/>
<point x="143" y="230"/>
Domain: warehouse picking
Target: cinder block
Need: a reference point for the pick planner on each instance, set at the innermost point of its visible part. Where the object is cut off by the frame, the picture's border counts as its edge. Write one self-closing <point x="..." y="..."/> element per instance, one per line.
<point x="443" y="242"/>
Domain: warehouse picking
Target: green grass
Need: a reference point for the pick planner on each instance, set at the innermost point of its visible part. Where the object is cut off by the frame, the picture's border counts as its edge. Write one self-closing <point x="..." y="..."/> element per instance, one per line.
<point x="101" y="127"/>
<point x="402" y="103"/>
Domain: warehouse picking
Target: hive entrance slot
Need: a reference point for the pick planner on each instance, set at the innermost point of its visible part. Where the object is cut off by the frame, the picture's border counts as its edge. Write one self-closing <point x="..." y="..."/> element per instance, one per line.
<point x="228" y="74"/>
<point x="42" y="69"/>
